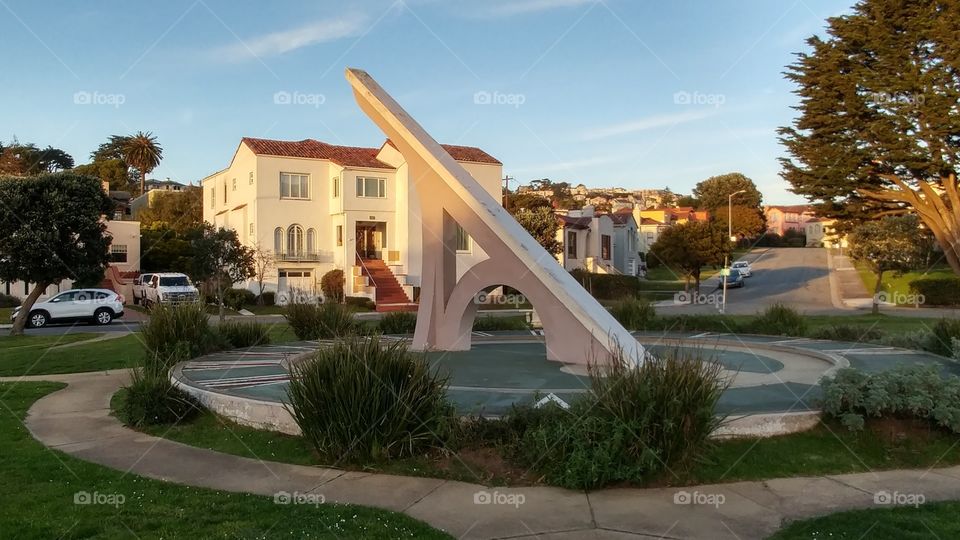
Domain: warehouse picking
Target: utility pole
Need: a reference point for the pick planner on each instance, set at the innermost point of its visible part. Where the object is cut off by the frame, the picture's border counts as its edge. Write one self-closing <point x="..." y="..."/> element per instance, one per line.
<point x="506" y="191"/>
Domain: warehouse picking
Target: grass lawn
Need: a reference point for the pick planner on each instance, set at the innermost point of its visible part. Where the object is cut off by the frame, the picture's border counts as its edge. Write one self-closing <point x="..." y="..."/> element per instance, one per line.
<point x="42" y="484"/>
<point x="899" y="286"/>
<point x="935" y="520"/>
<point x="41" y="360"/>
<point x="886" y="324"/>
<point x="8" y="343"/>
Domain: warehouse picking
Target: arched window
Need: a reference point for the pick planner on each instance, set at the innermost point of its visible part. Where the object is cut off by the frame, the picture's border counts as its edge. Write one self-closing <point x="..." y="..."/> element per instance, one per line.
<point x="311" y="241"/>
<point x="295" y="240"/>
<point x="278" y="241"/>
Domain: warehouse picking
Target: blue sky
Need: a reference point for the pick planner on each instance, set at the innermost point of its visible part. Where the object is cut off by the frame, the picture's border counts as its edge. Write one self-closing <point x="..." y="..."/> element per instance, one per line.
<point x="608" y="93"/>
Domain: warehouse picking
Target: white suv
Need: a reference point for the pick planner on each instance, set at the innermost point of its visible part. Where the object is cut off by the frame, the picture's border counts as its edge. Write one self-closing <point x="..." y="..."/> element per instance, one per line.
<point x="743" y="267"/>
<point x="98" y="306"/>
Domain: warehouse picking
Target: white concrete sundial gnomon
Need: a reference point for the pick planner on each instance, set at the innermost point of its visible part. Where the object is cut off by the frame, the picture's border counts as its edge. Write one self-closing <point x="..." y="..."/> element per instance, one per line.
<point x="577" y="329"/>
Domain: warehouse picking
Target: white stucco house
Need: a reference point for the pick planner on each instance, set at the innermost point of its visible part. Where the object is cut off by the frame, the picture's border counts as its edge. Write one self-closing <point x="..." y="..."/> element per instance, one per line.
<point x="587" y="240"/>
<point x="318" y="207"/>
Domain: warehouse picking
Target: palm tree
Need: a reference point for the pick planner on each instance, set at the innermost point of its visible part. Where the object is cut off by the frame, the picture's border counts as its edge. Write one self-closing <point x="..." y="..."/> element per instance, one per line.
<point x="142" y="152"/>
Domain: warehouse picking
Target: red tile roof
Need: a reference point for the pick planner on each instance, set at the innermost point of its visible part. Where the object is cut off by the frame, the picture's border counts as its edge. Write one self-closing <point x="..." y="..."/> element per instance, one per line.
<point x="347" y="156"/>
<point x="575" y="222"/>
<point x="464" y="153"/>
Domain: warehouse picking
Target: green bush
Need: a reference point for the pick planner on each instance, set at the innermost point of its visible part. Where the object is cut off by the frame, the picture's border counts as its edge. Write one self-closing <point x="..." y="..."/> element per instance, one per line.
<point x="170" y="326"/>
<point x="268" y="298"/>
<point x="633" y="424"/>
<point x="242" y="334"/>
<point x="846" y="332"/>
<point x="607" y="286"/>
<point x="323" y="321"/>
<point x="398" y="322"/>
<point x="488" y="323"/>
<point x="943" y="291"/>
<point x="779" y="320"/>
<point x="362" y="399"/>
<point x="944" y="332"/>
<point x="634" y="313"/>
<point x="918" y="340"/>
<point x="360" y="302"/>
<point x="332" y="284"/>
<point x="698" y="323"/>
<point x="8" y="301"/>
<point x="237" y="298"/>
<point x="907" y="392"/>
<point x="151" y="398"/>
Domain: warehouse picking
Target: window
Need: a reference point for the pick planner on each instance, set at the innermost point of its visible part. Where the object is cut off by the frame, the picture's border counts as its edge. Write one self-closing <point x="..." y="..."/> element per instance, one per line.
<point x="251" y="178"/>
<point x="213" y="197"/>
<point x="118" y="253"/>
<point x="605" y="246"/>
<point x="463" y="239"/>
<point x="371" y="187"/>
<point x="251" y="230"/>
<point x="224" y="192"/>
<point x="234" y="184"/>
<point x="339" y="235"/>
<point x="311" y="241"/>
<point x="336" y="187"/>
<point x="294" y="186"/>
<point x="572" y="244"/>
<point x="278" y="240"/>
<point x="295" y="240"/>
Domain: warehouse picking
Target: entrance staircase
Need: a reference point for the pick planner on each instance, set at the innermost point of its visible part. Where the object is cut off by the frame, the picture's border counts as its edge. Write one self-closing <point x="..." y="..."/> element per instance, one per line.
<point x="390" y="295"/>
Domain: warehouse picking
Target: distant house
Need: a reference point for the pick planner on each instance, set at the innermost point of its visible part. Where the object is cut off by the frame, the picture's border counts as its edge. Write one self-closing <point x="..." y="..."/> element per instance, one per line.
<point x="164" y="185"/>
<point x="822" y="233"/>
<point x="649" y="231"/>
<point x="626" y="242"/>
<point x="587" y="240"/>
<point x="781" y="219"/>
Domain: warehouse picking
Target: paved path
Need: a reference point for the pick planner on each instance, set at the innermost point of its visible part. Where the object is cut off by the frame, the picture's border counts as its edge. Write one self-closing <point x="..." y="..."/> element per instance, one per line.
<point x="76" y="421"/>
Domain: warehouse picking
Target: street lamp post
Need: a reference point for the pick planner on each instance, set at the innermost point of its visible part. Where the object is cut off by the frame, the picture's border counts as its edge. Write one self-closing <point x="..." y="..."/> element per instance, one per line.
<point x="726" y="258"/>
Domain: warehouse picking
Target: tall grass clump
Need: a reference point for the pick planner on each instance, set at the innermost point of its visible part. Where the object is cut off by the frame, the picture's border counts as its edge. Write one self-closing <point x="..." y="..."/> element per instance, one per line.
<point x="242" y="334"/>
<point x="489" y="323"/>
<point x="634" y="313"/>
<point x="398" y="322"/>
<point x="846" y="332"/>
<point x="364" y="399"/>
<point x="173" y="329"/>
<point x="779" y="320"/>
<point x="151" y="398"/>
<point x="634" y="423"/>
<point x="320" y="321"/>
<point x="944" y="332"/>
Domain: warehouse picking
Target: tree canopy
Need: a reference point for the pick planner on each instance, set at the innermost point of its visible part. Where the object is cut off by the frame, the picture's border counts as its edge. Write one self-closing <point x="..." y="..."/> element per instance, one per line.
<point x="220" y="259"/>
<point x="892" y="244"/>
<point x="713" y="193"/>
<point x="879" y="127"/>
<point x="18" y="159"/>
<point x="542" y="224"/>
<point x="180" y="211"/>
<point x="690" y="246"/>
<point x="51" y="229"/>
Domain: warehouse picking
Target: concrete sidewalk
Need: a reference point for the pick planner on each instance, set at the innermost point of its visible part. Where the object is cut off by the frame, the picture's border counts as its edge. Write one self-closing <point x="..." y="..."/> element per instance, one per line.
<point x="76" y="421"/>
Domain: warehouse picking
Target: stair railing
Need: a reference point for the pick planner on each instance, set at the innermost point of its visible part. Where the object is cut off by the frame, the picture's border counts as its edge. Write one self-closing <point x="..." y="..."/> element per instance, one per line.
<point x="365" y="269"/>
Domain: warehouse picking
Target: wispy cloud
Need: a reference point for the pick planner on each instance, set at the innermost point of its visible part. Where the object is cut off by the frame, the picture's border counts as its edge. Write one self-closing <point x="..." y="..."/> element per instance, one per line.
<point x="284" y="41"/>
<point x="643" y="124"/>
<point x="564" y="165"/>
<point x="523" y="7"/>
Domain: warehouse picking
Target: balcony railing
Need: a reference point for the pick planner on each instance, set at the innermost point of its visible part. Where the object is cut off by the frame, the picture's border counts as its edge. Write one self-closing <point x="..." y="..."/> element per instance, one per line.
<point x="301" y="256"/>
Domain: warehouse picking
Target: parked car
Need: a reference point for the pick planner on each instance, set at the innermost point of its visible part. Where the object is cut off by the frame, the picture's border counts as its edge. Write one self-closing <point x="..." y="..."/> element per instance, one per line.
<point x="140" y="286"/>
<point x="743" y="267"/>
<point x="169" y="288"/>
<point x="97" y="306"/>
<point x="735" y="279"/>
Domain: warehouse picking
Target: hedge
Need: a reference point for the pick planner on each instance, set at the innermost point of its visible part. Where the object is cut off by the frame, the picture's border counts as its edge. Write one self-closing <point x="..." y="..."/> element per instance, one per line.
<point x="607" y="286"/>
<point x="943" y="291"/>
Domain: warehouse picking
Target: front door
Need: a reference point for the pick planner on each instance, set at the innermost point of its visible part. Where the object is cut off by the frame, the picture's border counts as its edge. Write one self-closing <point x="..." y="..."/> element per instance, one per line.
<point x="369" y="241"/>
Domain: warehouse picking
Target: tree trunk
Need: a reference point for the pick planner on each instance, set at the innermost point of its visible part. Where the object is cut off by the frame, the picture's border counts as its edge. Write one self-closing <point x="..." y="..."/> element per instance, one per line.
<point x="21" y="321"/>
<point x="696" y="283"/>
<point x="143" y="182"/>
<point x="876" y="292"/>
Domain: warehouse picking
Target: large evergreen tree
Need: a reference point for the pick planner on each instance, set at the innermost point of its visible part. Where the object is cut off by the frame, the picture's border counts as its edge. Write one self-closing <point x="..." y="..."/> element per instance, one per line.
<point x="879" y="126"/>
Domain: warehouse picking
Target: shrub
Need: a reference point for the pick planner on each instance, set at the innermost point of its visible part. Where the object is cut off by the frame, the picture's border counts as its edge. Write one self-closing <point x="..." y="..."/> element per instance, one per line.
<point x="488" y="323"/>
<point x="237" y="298"/>
<point x="172" y="325"/>
<point x="906" y="392"/>
<point x="635" y="422"/>
<point x="943" y="334"/>
<point x="943" y="291"/>
<point x="398" y="322"/>
<point x="323" y="321"/>
<point x="779" y="320"/>
<point x="846" y="332"/>
<point x="360" y="302"/>
<point x="699" y="323"/>
<point x="332" y="286"/>
<point x="8" y="301"/>
<point x="363" y="399"/>
<point x="244" y="333"/>
<point x="634" y="313"/>
<point x="607" y="286"/>
<point x="918" y="340"/>
<point x="268" y="298"/>
<point x="151" y="399"/>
